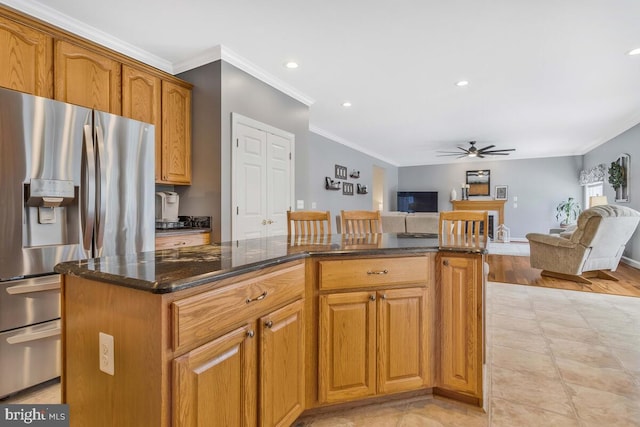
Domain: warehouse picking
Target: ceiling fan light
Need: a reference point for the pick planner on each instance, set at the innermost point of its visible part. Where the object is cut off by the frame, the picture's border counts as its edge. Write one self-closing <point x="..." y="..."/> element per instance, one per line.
<point x="634" y="52"/>
<point x="473" y="154"/>
<point x="462" y="83"/>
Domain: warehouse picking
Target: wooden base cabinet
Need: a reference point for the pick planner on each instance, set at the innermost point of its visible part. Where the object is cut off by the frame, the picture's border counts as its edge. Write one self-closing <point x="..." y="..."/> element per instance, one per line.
<point x="220" y="384"/>
<point x="461" y="328"/>
<point x="373" y="342"/>
<point x="215" y="384"/>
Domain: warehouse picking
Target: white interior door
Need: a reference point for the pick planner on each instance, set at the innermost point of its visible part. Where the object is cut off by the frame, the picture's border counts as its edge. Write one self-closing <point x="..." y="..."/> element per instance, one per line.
<point x="263" y="179"/>
<point x="250" y="177"/>
<point x="278" y="184"/>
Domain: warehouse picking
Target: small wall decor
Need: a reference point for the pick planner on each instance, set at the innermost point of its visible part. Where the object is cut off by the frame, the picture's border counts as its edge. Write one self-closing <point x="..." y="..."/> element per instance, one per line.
<point x="355" y="174"/>
<point x="341" y="172"/>
<point x="501" y="192"/>
<point x="619" y="177"/>
<point x="331" y="184"/>
<point x="347" y="189"/>
<point x="361" y="189"/>
<point x="479" y="182"/>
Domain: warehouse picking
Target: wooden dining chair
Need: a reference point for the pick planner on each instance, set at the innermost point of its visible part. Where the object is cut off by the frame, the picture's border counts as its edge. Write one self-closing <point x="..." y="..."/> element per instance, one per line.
<point x="308" y="223"/>
<point x="360" y="222"/>
<point x="463" y="228"/>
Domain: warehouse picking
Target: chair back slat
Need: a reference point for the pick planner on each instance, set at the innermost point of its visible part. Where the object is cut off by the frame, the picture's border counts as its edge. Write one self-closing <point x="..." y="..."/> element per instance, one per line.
<point x="462" y="228"/>
<point x="308" y="223"/>
<point x="360" y="222"/>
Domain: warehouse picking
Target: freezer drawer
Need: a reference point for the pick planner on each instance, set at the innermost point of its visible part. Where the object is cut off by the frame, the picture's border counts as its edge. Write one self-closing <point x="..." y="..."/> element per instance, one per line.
<point x="29" y="301"/>
<point x="29" y="356"/>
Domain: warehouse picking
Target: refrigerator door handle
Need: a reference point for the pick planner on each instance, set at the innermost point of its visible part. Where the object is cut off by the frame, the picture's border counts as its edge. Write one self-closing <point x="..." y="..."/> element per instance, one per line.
<point x="88" y="174"/>
<point x="22" y="338"/>
<point x="101" y="203"/>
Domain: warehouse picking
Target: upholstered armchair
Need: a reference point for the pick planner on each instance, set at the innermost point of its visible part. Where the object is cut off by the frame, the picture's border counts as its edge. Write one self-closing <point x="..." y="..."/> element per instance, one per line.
<point x="595" y="245"/>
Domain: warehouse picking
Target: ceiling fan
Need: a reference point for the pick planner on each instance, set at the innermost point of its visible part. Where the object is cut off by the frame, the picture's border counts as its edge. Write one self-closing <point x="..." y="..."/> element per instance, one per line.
<point x="473" y="151"/>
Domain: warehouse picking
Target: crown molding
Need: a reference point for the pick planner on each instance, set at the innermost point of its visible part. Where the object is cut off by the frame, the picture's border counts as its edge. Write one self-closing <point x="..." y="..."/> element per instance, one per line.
<point x="349" y="144"/>
<point x="53" y="17"/>
<point x="221" y="52"/>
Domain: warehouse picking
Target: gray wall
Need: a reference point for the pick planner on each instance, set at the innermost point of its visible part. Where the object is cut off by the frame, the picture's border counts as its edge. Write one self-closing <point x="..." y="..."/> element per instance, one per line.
<point x="203" y="196"/>
<point x="629" y="143"/>
<point x="539" y="184"/>
<point x="325" y="154"/>
<point x="220" y="89"/>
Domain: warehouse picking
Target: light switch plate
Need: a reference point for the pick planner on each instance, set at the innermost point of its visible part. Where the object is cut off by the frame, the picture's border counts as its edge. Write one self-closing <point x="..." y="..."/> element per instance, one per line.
<point x="299" y="204"/>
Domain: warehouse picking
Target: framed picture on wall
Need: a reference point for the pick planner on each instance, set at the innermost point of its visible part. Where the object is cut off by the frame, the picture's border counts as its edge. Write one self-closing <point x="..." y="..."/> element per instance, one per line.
<point x="501" y="192"/>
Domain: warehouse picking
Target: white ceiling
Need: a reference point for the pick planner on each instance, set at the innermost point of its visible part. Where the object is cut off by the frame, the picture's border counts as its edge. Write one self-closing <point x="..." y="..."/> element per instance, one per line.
<point x="547" y="77"/>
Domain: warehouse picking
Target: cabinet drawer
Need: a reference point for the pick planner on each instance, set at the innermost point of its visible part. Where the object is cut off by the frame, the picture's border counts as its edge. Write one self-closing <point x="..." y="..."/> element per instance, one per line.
<point x="201" y="317"/>
<point x="356" y="273"/>
<point x="171" y="241"/>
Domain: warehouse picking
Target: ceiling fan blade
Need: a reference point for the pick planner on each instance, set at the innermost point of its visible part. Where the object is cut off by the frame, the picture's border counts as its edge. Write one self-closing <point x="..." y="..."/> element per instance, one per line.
<point x="450" y="154"/>
<point x="496" y="154"/>
<point x="498" y="151"/>
<point x="480" y="155"/>
<point x="486" y="148"/>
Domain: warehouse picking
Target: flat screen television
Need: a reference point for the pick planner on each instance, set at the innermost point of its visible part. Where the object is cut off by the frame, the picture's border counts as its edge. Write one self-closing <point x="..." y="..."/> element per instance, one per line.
<point x="418" y="201"/>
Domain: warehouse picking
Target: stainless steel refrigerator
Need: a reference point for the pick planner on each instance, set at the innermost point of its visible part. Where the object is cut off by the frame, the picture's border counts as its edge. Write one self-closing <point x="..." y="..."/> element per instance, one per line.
<point x="75" y="183"/>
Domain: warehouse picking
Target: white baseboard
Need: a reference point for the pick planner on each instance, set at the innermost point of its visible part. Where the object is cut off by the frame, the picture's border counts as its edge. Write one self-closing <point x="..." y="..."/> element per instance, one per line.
<point x="519" y="239"/>
<point x="631" y="262"/>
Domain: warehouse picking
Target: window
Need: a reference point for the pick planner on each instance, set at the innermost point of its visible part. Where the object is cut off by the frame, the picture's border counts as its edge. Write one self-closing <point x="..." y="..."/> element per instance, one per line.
<point x="593" y="189"/>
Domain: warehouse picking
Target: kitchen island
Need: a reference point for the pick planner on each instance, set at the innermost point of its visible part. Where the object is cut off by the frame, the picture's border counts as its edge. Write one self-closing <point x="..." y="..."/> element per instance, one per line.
<point x="257" y="332"/>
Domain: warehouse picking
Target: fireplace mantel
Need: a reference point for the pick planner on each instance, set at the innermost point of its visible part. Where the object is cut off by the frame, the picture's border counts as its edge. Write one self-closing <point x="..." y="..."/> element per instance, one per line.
<point x="481" y="205"/>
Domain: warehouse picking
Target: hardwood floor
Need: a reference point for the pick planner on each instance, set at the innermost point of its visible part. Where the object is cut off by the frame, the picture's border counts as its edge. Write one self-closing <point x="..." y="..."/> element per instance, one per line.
<point x="517" y="270"/>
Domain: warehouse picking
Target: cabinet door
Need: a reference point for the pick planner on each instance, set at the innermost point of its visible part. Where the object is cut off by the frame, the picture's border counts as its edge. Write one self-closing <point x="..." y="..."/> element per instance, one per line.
<point x="282" y="366"/>
<point x="403" y="340"/>
<point x="347" y="356"/>
<point x="215" y="384"/>
<point x="86" y="78"/>
<point x="176" y="134"/>
<point x="26" y="56"/>
<point x="141" y="96"/>
<point x="461" y="324"/>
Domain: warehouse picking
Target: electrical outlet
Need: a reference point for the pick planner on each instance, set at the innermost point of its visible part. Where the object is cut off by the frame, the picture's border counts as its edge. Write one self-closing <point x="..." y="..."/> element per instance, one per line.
<point x="299" y="204"/>
<point x="314" y="205"/>
<point x="106" y="353"/>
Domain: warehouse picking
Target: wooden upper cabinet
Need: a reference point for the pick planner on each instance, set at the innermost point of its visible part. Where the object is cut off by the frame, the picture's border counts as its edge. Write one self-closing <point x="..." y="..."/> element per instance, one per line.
<point x="87" y="78"/>
<point x="26" y="56"/>
<point x="141" y="100"/>
<point x="176" y="134"/>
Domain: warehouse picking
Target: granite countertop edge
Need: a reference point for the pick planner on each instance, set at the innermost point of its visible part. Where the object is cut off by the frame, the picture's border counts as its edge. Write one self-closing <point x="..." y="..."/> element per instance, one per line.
<point x="82" y="269"/>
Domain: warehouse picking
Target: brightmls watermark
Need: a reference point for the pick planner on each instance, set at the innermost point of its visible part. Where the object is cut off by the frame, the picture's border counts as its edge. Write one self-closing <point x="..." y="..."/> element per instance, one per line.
<point x="34" y="415"/>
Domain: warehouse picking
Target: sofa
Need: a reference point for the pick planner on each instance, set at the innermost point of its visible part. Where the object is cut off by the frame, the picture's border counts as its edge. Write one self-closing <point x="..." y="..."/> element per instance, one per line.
<point x="403" y="222"/>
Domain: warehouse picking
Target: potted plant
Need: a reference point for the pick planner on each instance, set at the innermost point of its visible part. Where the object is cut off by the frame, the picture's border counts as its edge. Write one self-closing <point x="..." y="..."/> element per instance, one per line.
<point x="567" y="212"/>
<point x="616" y="177"/>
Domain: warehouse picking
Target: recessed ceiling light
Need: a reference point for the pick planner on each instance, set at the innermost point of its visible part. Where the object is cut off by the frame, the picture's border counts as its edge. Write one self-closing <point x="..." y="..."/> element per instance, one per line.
<point x="346" y="104"/>
<point x="462" y="83"/>
<point x="291" y="64"/>
<point x="634" y="52"/>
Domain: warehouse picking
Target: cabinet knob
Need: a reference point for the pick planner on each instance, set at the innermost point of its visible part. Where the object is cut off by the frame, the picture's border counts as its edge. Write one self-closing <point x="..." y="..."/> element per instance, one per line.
<point x="250" y="334"/>
<point x="372" y="297"/>
<point x="383" y="296"/>
<point x="270" y="221"/>
<point x="264" y="222"/>
<point x="378" y="272"/>
<point x="268" y="324"/>
<point x="445" y="262"/>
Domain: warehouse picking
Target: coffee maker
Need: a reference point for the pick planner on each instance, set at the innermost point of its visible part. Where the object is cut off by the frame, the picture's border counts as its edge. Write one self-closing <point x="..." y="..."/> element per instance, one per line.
<point x="167" y="203"/>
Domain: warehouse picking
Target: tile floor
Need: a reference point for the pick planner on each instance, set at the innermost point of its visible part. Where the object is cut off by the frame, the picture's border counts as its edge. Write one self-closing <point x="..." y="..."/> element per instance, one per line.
<point x="555" y="358"/>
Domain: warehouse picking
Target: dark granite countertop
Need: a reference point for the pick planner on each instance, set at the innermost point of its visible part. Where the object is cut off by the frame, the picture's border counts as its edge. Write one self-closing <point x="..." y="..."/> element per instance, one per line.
<point x="170" y="270"/>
